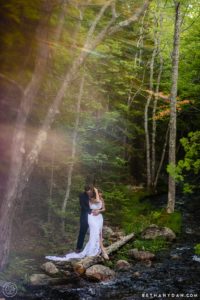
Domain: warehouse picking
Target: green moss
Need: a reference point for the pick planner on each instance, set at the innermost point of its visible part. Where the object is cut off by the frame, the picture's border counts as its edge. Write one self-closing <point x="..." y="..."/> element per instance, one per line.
<point x="197" y="249"/>
<point x="151" y="245"/>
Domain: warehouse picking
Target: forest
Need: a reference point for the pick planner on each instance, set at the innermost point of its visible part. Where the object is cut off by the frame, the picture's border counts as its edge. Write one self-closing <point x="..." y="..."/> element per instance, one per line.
<point x="102" y="93"/>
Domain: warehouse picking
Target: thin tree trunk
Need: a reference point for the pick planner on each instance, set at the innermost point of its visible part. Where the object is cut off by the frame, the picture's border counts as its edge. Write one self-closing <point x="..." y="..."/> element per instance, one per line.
<point x="161" y="160"/>
<point x="154" y="123"/>
<point x="50" y="202"/>
<point x="73" y="154"/>
<point x="172" y="132"/>
<point x="146" y="126"/>
<point x="155" y="106"/>
<point x="138" y="55"/>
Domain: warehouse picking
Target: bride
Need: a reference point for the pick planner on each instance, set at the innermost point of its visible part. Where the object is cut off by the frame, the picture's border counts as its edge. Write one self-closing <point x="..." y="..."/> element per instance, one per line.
<point x="94" y="245"/>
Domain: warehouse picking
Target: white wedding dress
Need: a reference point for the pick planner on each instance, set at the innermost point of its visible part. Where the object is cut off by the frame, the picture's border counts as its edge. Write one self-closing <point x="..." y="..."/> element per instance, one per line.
<point x="92" y="248"/>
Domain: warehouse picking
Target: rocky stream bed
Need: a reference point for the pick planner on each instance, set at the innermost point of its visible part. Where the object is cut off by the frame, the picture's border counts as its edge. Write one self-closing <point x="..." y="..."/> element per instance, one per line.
<point x="173" y="273"/>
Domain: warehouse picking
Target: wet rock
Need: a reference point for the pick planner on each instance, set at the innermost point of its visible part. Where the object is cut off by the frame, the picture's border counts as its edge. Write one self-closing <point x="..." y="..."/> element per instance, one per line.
<point x="189" y="231"/>
<point x="50" y="268"/>
<point x="153" y="231"/>
<point x="141" y="255"/>
<point x="100" y="273"/>
<point x="175" y="256"/>
<point x="122" y="265"/>
<point x="147" y="263"/>
<point x="136" y="274"/>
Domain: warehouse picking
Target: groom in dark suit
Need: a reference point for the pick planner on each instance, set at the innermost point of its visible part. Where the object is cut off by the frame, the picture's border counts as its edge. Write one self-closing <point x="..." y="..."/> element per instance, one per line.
<point x="85" y="210"/>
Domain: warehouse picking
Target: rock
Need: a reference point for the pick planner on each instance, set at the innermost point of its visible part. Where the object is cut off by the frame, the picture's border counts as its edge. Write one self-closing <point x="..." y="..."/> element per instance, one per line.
<point x="50" y="268"/>
<point x="147" y="263"/>
<point x="43" y="279"/>
<point x="136" y="274"/>
<point x="107" y="231"/>
<point x="141" y="255"/>
<point x="175" y="257"/>
<point x="153" y="231"/>
<point x="39" y="279"/>
<point x="100" y="273"/>
<point x="189" y="231"/>
<point x="122" y="265"/>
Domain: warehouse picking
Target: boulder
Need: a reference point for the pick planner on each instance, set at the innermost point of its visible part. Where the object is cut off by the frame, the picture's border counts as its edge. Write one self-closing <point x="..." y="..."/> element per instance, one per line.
<point x="122" y="265"/>
<point x="141" y="255"/>
<point x="153" y="231"/>
<point x="100" y="273"/>
<point x="50" y="268"/>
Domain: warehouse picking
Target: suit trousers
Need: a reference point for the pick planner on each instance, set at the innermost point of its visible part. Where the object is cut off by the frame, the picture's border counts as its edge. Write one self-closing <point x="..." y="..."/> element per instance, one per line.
<point x="83" y="230"/>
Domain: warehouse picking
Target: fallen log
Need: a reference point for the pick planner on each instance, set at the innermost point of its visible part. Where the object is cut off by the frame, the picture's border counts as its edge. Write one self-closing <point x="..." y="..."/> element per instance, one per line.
<point x="115" y="246"/>
<point x="82" y="265"/>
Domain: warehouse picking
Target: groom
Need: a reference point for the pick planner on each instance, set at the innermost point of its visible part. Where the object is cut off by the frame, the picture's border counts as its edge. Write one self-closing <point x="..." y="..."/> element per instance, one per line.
<point x="85" y="210"/>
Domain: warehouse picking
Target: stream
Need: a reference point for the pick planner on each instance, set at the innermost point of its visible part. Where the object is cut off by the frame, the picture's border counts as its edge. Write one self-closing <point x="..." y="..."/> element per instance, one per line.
<point x="173" y="274"/>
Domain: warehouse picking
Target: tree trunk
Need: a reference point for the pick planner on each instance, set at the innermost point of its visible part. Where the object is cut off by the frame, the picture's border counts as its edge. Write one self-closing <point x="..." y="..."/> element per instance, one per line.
<point x="172" y="131"/>
<point x="140" y="44"/>
<point x="50" y="200"/>
<point x="73" y="154"/>
<point x="18" y="148"/>
<point x="153" y="167"/>
<point x="146" y="127"/>
<point x="161" y="160"/>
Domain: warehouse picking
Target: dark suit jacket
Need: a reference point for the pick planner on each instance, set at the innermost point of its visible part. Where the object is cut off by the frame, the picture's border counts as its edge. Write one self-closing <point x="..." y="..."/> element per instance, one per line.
<point x="84" y="203"/>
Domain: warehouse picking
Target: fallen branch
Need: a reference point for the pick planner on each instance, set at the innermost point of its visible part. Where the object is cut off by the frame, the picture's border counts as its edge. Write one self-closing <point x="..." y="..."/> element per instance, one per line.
<point x="82" y="265"/>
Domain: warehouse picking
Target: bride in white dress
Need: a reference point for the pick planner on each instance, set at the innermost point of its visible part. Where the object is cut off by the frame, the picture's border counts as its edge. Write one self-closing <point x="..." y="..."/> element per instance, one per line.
<point x="95" y="221"/>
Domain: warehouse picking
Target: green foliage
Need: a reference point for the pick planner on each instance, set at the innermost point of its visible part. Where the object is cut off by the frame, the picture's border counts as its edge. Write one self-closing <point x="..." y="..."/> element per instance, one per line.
<point x="197" y="249"/>
<point x="163" y="219"/>
<point x="154" y="246"/>
<point x="124" y="208"/>
<point x="189" y="166"/>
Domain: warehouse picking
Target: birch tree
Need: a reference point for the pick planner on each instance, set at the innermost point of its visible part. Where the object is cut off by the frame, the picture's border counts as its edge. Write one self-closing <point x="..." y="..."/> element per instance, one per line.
<point x="172" y="130"/>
